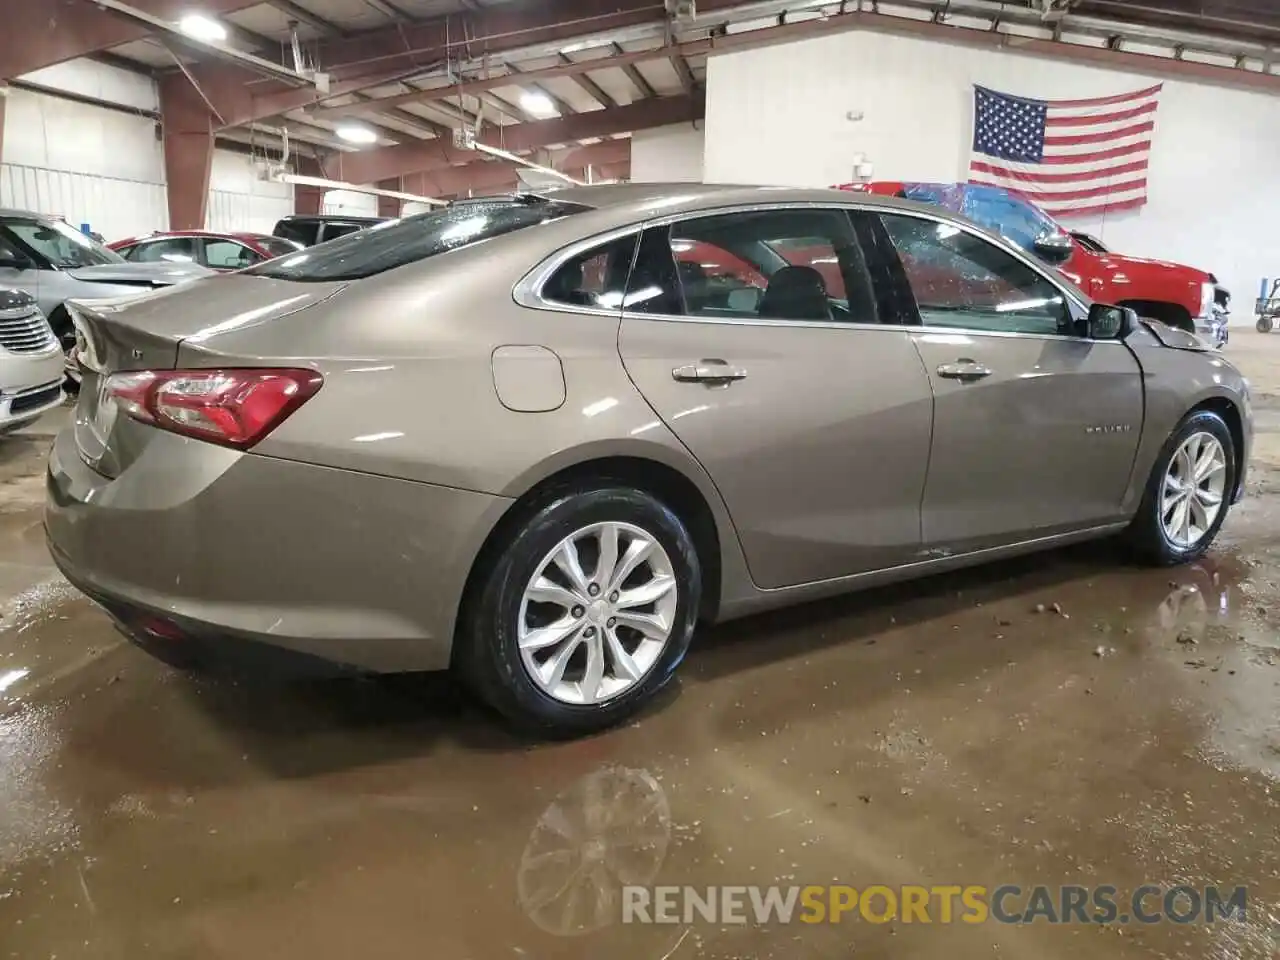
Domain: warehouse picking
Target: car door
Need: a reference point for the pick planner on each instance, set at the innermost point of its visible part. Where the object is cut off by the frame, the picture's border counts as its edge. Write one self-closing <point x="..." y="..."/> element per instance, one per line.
<point x="1035" y="426"/>
<point x="807" y="406"/>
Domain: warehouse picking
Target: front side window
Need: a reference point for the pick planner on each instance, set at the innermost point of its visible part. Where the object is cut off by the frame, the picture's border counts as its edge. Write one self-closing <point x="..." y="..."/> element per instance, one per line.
<point x="800" y="264"/>
<point x="229" y="255"/>
<point x="168" y="250"/>
<point x="962" y="280"/>
<point x="59" y="243"/>
<point x="595" y="278"/>
<point x="396" y="243"/>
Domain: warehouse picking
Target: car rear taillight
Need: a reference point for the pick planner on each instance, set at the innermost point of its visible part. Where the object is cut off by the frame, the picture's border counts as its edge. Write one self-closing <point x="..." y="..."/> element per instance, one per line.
<point x="235" y="408"/>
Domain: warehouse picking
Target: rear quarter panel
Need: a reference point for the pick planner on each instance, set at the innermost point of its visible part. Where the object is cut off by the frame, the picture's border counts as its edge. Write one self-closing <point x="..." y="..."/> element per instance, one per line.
<point x="409" y="388"/>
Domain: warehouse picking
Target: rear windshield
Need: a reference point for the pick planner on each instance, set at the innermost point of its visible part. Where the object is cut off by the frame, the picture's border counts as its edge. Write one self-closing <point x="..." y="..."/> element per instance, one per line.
<point x="399" y="242"/>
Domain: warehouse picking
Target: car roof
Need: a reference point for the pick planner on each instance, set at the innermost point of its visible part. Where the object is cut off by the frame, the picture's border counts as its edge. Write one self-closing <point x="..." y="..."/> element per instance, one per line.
<point x="15" y="212"/>
<point x="638" y="201"/>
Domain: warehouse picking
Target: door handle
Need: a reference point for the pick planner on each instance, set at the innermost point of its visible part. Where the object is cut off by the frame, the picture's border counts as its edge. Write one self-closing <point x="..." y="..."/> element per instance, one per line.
<point x="708" y="371"/>
<point x="964" y="369"/>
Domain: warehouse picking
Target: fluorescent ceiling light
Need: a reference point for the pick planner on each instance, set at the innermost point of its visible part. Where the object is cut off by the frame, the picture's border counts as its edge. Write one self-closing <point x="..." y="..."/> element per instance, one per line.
<point x="539" y="104"/>
<point x="353" y="133"/>
<point x="200" y="27"/>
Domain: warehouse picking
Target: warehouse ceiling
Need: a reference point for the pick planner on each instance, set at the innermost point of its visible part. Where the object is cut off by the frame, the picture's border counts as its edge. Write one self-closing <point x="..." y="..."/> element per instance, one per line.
<point x="422" y="78"/>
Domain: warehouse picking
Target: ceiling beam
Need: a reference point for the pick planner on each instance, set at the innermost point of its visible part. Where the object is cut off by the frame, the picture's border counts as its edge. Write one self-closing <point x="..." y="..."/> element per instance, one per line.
<point x="41" y="33"/>
<point x="634" y="75"/>
<point x="370" y="165"/>
<point x="300" y="13"/>
<point x="563" y="106"/>
<point x="570" y="69"/>
<point x="389" y="11"/>
<point x="381" y="56"/>
<point x="591" y="88"/>
<point x="687" y="82"/>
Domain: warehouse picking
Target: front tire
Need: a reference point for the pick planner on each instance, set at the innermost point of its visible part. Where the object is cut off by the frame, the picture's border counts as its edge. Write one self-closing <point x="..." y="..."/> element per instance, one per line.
<point x="586" y="612"/>
<point x="1188" y="493"/>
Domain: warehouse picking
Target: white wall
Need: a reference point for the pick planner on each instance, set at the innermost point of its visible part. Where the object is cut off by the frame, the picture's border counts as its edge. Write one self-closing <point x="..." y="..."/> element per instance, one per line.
<point x="351" y="203"/>
<point x="239" y="200"/>
<point x="105" y="167"/>
<point x="779" y="115"/>
<point x="667" y="154"/>
<point x="86" y="163"/>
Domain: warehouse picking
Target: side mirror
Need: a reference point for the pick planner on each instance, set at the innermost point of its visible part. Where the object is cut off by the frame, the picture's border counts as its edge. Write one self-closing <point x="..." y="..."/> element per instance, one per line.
<point x="14" y="263"/>
<point x="1111" y="323"/>
<point x="1055" y="248"/>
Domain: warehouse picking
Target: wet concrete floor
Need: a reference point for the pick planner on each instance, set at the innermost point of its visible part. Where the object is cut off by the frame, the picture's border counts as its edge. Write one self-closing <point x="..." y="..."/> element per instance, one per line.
<point x="937" y="733"/>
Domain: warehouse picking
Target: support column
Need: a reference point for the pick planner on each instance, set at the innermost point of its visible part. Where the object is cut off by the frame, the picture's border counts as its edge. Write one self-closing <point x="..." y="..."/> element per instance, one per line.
<point x="4" y="100"/>
<point x="187" y="127"/>
<point x="389" y="206"/>
<point x="308" y="201"/>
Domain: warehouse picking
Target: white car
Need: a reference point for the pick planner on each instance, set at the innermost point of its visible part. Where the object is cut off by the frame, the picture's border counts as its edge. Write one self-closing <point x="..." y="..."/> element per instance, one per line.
<point x="31" y="361"/>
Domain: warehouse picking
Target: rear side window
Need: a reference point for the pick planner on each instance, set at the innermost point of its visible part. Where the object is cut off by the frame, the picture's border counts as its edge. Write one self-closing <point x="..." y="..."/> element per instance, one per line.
<point x="400" y="242"/>
<point x="596" y="278"/>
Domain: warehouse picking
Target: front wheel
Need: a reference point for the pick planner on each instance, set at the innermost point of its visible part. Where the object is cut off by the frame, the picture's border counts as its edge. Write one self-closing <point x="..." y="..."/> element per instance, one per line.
<point x="1188" y="493"/>
<point x="585" y="614"/>
<point x="1264" y="324"/>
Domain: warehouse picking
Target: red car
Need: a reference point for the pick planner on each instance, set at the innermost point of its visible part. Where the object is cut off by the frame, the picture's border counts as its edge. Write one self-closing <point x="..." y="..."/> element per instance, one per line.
<point x="1172" y="293"/>
<point x="217" y="251"/>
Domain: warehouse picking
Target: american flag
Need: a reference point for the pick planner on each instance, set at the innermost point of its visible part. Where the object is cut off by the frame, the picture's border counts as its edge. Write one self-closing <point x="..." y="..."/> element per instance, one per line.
<point x="1071" y="157"/>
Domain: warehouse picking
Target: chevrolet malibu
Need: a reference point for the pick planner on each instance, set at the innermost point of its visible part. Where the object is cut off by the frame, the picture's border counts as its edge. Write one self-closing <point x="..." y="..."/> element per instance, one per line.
<point x="525" y="439"/>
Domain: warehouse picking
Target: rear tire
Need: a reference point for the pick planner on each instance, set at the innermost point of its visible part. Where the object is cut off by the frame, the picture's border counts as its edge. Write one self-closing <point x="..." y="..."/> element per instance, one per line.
<point x="608" y="669"/>
<point x="1264" y="324"/>
<point x="1173" y="524"/>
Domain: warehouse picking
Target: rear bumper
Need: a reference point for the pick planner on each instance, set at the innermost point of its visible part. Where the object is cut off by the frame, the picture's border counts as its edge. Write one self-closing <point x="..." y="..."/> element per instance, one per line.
<point x="207" y="543"/>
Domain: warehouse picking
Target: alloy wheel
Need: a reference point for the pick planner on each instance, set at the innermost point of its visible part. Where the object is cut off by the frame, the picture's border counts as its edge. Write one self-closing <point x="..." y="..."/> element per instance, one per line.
<point x="1193" y="490"/>
<point x="597" y="613"/>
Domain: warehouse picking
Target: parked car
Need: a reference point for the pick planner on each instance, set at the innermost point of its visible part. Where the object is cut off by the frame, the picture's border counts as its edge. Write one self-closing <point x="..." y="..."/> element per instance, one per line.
<point x="310" y="230"/>
<point x="1177" y="295"/>
<point x="53" y="261"/>
<point x="217" y="251"/>
<point x="30" y="362"/>
<point x="552" y="457"/>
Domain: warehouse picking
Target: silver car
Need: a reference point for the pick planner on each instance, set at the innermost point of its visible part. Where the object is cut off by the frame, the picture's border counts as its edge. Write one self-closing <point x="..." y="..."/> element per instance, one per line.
<point x="54" y="262"/>
<point x="538" y="438"/>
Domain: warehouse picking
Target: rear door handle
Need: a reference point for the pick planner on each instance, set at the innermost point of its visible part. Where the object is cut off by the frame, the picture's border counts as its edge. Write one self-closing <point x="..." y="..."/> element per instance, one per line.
<point x="964" y="369"/>
<point x="708" y="371"/>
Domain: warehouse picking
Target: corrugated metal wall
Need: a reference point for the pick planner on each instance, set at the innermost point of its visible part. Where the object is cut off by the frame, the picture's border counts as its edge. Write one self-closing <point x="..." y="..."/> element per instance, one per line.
<point x="105" y="167"/>
<point x="240" y="200"/>
<point x="112" y="206"/>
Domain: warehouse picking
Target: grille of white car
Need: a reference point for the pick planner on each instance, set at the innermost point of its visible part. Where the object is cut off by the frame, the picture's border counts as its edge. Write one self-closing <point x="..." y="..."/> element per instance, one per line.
<point x="25" y="330"/>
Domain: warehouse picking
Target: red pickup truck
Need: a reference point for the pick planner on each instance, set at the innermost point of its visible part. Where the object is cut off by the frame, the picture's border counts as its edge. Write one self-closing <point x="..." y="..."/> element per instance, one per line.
<point x="1177" y="295"/>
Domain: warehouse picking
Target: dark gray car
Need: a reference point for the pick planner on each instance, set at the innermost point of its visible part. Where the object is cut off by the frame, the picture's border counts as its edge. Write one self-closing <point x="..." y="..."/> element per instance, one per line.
<point x="537" y="439"/>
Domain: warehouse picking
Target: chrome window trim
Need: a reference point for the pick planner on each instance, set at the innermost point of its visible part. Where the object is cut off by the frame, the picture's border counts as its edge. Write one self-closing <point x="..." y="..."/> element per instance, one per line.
<point x="767" y="322"/>
<point x="528" y="290"/>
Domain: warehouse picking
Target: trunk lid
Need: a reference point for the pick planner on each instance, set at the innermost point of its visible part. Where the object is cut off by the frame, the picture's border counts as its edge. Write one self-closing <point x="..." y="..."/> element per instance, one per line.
<point x="145" y="333"/>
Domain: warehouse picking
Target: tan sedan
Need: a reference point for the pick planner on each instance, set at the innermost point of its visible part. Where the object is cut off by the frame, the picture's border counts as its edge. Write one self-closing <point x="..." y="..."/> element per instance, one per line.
<point x="539" y="438"/>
